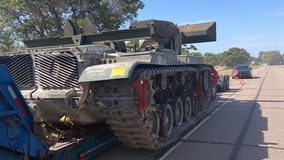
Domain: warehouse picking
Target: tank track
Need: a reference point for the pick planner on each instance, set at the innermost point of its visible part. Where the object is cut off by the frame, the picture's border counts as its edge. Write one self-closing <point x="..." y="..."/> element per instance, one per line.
<point x="135" y="126"/>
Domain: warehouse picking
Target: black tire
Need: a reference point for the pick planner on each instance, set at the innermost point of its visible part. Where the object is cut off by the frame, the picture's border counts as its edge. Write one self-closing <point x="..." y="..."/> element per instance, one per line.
<point x="227" y="82"/>
<point x="222" y="86"/>
<point x="214" y="92"/>
<point x="205" y="81"/>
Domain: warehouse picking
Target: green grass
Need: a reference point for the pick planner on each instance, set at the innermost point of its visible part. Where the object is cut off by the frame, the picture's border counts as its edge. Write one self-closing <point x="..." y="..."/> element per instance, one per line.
<point x="223" y="70"/>
<point x="228" y="71"/>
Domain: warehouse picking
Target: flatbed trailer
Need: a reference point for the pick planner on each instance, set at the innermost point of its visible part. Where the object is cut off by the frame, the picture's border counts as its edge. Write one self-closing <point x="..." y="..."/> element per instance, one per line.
<point x="18" y="140"/>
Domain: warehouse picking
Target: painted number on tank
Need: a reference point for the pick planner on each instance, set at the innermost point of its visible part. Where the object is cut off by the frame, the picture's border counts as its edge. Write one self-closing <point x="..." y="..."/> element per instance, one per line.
<point x="117" y="72"/>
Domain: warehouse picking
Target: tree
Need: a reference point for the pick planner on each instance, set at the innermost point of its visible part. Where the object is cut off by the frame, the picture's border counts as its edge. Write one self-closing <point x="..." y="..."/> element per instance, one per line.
<point x="271" y="57"/>
<point x="210" y="58"/>
<point x="186" y="50"/>
<point x="235" y="56"/>
<point x="195" y="54"/>
<point x="31" y="19"/>
<point x="133" y="45"/>
<point x="255" y="61"/>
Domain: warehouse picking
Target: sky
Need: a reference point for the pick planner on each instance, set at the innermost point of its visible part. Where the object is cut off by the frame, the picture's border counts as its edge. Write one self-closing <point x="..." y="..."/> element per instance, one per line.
<point x="254" y="25"/>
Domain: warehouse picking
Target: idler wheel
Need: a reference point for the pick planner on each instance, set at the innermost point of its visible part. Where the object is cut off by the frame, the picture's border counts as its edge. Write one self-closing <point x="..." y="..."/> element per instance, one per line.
<point x="153" y="121"/>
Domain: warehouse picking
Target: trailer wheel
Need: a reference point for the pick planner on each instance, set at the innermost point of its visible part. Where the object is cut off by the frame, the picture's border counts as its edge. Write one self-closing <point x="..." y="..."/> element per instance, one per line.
<point x="222" y="86"/>
<point x="205" y="81"/>
<point x="227" y="83"/>
<point x="214" y="92"/>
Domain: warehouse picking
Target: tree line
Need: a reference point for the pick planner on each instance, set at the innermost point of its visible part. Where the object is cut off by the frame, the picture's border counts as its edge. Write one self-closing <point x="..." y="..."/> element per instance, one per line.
<point x="33" y="19"/>
<point x="235" y="56"/>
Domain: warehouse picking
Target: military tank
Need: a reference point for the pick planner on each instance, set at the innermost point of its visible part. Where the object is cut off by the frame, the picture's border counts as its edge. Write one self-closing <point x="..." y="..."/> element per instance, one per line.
<point x="148" y="95"/>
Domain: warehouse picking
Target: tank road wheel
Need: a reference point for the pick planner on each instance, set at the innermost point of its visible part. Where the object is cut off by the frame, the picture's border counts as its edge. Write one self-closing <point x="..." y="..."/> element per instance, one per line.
<point x="205" y="81"/>
<point x="187" y="109"/>
<point x="178" y="112"/>
<point x="164" y="81"/>
<point x="196" y="105"/>
<point x="153" y="120"/>
<point x="180" y="78"/>
<point x="168" y="119"/>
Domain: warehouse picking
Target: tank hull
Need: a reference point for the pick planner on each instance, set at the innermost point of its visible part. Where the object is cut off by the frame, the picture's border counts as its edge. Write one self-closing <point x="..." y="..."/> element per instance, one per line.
<point x="153" y="105"/>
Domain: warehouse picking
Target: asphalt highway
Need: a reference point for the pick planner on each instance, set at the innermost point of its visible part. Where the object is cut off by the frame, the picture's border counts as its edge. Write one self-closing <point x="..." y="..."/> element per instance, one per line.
<point x="245" y="123"/>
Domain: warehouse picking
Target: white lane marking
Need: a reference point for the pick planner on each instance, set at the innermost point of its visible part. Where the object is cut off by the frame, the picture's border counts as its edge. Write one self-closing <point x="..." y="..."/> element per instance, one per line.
<point x="170" y="151"/>
<point x="202" y="122"/>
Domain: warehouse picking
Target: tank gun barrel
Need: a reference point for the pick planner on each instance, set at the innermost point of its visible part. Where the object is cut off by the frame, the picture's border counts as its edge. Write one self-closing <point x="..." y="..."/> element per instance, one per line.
<point x="83" y="39"/>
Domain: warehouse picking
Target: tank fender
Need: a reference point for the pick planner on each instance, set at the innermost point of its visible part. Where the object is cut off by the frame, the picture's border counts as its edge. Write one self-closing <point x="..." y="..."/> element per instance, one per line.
<point x="108" y="71"/>
<point x="206" y="68"/>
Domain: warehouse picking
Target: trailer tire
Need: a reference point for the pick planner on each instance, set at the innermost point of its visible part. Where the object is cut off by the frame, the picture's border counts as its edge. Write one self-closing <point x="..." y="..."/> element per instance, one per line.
<point x="205" y="81"/>
<point x="222" y="86"/>
<point x="214" y="92"/>
<point x="227" y="82"/>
